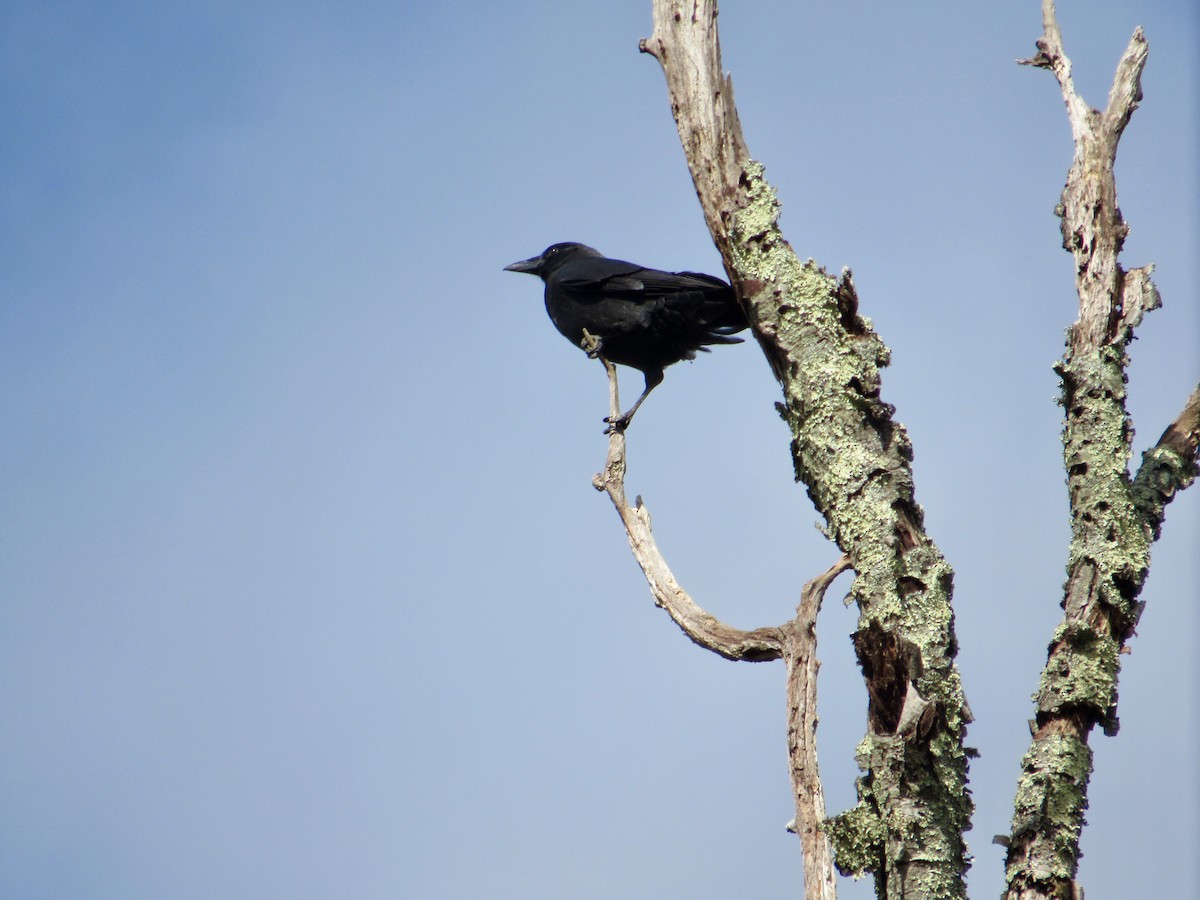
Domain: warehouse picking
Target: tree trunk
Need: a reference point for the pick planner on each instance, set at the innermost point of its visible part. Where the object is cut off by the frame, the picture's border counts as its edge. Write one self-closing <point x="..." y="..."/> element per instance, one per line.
<point x="1114" y="518"/>
<point x="855" y="461"/>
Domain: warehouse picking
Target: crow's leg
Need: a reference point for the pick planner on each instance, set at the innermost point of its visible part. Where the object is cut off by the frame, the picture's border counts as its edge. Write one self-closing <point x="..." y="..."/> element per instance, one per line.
<point x="620" y="423"/>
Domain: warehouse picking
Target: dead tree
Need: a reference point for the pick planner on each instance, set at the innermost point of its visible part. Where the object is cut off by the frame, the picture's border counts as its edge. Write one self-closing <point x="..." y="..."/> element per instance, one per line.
<point x="1114" y="516"/>
<point x="855" y="460"/>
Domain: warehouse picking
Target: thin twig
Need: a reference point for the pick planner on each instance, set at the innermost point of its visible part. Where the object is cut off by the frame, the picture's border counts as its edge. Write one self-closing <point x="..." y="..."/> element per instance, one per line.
<point x="704" y="629"/>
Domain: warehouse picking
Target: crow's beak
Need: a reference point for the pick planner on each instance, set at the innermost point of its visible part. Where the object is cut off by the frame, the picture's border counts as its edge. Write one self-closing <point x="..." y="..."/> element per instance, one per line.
<point x="531" y="265"/>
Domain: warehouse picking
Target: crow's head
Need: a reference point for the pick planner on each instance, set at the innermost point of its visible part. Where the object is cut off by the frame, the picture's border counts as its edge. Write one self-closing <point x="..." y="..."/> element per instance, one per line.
<point x="551" y="258"/>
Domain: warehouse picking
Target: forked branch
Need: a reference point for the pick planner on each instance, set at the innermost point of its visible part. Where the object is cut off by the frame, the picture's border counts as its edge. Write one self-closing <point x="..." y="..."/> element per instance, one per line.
<point x="855" y="460"/>
<point x="795" y="642"/>
<point x="1114" y="519"/>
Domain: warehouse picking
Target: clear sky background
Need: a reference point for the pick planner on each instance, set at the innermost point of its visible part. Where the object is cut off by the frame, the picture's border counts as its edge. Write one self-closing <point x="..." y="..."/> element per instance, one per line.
<point x="305" y="589"/>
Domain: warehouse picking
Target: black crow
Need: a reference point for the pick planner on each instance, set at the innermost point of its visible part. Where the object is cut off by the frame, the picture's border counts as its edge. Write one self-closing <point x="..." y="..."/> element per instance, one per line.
<point x="641" y="318"/>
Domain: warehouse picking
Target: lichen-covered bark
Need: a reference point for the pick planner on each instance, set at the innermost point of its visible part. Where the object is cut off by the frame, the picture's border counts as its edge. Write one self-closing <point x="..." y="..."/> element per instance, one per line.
<point x="1169" y="466"/>
<point x="855" y="461"/>
<point x="1114" y="518"/>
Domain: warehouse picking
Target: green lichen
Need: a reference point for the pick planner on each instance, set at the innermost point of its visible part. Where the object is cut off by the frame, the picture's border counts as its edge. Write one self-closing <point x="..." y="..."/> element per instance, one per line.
<point x="1083" y="673"/>
<point x="1050" y="802"/>
<point x="1108" y="559"/>
<point x="1164" y="472"/>
<point x="856" y="464"/>
<point x="761" y="214"/>
<point x="858" y="836"/>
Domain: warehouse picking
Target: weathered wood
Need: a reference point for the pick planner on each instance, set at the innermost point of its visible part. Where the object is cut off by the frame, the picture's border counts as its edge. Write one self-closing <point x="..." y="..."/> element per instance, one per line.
<point x="795" y="642"/>
<point x="855" y="460"/>
<point x="1114" y="518"/>
<point x="800" y="652"/>
<point x="704" y="629"/>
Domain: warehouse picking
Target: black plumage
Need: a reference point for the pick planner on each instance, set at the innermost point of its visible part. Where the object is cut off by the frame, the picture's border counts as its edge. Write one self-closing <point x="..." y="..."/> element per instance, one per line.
<point x="642" y="318"/>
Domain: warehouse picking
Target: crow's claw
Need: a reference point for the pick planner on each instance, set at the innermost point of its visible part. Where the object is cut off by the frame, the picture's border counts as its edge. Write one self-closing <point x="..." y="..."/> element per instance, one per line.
<point x="590" y="344"/>
<point x="650" y="318"/>
<point x="616" y="423"/>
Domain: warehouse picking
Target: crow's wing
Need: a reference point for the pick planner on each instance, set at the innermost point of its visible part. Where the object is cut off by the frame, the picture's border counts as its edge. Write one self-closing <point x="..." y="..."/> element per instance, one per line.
<point x="667" y="315"/>
<point x="597" y="278"/>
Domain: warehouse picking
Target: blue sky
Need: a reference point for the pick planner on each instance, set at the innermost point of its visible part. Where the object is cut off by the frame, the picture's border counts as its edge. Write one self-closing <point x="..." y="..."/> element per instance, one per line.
<point x="305" y="591"/>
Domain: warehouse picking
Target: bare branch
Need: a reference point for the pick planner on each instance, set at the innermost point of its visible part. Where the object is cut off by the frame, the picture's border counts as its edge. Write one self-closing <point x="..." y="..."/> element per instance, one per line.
<point x="1126" y="91"/>
<point x="801" y="654"/>
<point x="703" y="628"/>
<point x="702" y="104"/>
<point x="795" y="641"/>
<point x="1050" y="56"/>
<point x="1092" y="227"/>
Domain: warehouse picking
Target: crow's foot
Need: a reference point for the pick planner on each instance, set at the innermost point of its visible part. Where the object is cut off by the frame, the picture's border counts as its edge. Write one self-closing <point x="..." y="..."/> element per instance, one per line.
<point x="617" y="423"/>
<point x="590" y="344"/>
